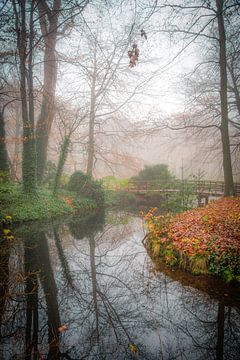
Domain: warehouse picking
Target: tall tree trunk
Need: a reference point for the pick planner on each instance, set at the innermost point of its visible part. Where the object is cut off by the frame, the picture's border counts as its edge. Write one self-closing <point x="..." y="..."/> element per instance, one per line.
<point x="28" y="157"/>
<point x="91" y="150"/>
<point x="4" y="164"/>
<point x="17" y="147"/>
<point x="48" y="22"/>
<point x="227" y="163"/>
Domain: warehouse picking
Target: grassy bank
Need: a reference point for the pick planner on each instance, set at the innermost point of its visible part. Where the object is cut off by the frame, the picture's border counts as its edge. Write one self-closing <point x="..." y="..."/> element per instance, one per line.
<point x="202" y="241"/>
<point x="43" y="205"/>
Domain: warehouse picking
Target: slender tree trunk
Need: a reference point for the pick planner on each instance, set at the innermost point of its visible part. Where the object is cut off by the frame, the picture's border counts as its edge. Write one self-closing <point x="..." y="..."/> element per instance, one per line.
<point x="91" y="150"/>
<point x="17" y="148"/>
<point x="227" y="163"/>
<point x="4" y="163"/>
<point x="44" y="124"/>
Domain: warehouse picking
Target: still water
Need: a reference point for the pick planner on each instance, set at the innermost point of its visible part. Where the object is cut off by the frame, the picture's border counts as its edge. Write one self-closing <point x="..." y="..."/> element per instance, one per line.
<point x="86" y="289"/>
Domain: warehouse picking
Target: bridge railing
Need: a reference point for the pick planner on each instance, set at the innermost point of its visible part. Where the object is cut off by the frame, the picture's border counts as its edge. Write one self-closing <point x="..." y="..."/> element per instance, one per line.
<point x="207" y="187"/>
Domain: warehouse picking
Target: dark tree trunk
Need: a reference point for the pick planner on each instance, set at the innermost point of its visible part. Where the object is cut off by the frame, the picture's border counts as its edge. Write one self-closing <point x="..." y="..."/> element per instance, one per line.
<point x="4" y="164"/>
<point x="48" y="22"/>
<point x="227" y="163"/>
<point x="17" y="147"/>
<point x="28" y="157"/>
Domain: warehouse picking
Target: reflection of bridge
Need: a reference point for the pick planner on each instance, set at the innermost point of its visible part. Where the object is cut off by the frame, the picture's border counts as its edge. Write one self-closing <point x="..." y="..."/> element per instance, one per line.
<point x="203" y="189"/>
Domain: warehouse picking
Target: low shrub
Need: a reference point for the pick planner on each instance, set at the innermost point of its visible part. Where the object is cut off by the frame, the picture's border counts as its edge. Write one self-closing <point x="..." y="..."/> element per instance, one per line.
<point x="85" y="186"/>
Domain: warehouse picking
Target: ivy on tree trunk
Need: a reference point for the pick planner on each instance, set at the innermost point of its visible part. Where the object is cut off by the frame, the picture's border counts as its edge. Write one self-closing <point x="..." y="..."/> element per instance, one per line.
<point x="4" y="164"/>
<point x="61" y="162"/>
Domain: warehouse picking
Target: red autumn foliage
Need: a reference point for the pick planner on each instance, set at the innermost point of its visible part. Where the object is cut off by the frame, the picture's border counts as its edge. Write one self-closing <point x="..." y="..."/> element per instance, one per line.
<point x="215" y="227"/>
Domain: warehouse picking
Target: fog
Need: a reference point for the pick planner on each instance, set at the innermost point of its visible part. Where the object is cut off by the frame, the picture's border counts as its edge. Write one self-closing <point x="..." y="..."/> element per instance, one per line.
<point x="136" y="107"/>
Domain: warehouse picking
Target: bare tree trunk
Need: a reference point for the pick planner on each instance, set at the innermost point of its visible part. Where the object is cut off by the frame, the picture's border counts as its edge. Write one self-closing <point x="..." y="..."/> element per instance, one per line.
<point x="227" y="163"/>
<point x="28" y="157"/>
<point x="91" y="150"/>
<point x="4" y="163"/>
<point x="49" y="33"/>
<point x="17" y="147"/>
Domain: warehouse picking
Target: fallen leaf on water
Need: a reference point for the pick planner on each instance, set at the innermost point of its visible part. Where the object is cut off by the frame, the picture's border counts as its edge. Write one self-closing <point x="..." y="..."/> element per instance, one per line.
<point x="63" y="328"/>
<point x="133" y="348"/>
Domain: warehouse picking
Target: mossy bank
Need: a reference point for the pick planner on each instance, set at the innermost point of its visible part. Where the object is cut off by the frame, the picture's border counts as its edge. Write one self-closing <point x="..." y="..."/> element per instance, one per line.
<point x="43" y="205"/>
<point x="81" y="196"/>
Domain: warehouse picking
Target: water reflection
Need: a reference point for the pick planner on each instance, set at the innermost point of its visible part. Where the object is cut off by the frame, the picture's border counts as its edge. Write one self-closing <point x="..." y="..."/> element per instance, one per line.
<point x="86" y="290"/>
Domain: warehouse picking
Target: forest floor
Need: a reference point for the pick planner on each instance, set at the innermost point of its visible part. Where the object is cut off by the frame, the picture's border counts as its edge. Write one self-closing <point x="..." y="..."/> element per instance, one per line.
<point x="204" y="240"/>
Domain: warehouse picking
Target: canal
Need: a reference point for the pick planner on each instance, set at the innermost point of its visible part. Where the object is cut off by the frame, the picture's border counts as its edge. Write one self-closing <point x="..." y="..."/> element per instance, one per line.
<point x="86" y="289"/>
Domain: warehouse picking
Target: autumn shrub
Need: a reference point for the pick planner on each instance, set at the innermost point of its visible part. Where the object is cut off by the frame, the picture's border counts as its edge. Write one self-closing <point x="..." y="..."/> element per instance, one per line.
<point x="85" y="186"/>
<point x="204" y="240"/>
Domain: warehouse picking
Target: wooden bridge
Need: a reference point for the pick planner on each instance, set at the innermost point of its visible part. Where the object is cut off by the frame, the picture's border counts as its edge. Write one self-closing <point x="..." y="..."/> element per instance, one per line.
<point x="203" y="189"/>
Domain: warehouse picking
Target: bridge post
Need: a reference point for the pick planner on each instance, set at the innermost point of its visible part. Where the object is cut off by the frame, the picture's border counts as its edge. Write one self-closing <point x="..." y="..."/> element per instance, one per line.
<point x="206" y="199"/>
<point x="199" y="200"/>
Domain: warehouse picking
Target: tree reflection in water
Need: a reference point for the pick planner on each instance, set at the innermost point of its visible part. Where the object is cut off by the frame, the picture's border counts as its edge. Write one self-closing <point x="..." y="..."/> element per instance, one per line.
<point x="88" y="291"/>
